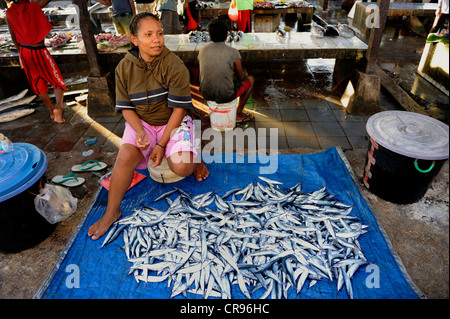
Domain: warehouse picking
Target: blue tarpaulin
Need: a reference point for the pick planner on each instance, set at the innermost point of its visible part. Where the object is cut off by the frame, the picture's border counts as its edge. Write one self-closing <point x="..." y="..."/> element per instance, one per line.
<point x="85" y="270"/>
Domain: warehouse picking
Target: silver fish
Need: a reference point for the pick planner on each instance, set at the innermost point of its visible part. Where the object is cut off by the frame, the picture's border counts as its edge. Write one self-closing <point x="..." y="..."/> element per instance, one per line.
<point x="263" y="236"/>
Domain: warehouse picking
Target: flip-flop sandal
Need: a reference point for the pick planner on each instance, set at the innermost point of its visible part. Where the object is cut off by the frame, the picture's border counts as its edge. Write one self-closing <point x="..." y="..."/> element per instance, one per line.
<point x="247" y="118"/>
<point x="70" y="180"/>
<point x="89" y="166"/>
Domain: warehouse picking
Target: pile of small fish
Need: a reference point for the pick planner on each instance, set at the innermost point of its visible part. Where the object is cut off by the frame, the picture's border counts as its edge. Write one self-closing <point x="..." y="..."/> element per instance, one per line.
<point x="199" y="36"/>
<point x="234" y="36"/>
<point x="204" y="5"/>
<point x="263" y="236"/>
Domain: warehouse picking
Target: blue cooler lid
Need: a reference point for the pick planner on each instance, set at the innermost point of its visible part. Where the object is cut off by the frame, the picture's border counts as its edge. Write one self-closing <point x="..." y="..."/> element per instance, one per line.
<point x="20" y="169"/>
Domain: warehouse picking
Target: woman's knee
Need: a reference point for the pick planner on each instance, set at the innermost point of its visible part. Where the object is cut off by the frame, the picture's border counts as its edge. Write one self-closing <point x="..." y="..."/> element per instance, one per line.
<point x="129" y="155"/>
<point x="181" y="163"/>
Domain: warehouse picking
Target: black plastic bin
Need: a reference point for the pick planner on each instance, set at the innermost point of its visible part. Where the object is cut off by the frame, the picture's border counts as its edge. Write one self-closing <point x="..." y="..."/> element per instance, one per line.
<point x="406" y="152"/>
<point x="21" y="175"/>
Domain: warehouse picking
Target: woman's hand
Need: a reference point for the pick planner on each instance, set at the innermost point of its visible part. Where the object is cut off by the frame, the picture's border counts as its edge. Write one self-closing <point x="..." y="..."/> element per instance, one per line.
<point x="133" y="119"/>
<point x="142" y="140"/>
<point x="174" y="122"/>
<point x="157" y="155"/>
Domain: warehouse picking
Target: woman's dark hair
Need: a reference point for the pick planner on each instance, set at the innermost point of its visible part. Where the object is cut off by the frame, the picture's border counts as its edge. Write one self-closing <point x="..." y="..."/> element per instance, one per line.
<point x="218" y="30"/>
<point x="134" y="24"/>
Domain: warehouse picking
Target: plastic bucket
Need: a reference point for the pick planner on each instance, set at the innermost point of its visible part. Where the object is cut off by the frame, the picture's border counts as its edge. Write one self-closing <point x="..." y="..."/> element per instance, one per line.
<point x="223" y="116"/>
<point x="406" y="152"/>
<point x="397" y="178"/>
<point x="21" y="175"/>
<point x="162" y="173"/>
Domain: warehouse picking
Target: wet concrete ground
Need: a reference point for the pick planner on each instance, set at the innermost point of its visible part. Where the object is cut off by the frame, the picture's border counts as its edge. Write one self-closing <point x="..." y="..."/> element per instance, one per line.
<point x="294" y="97"/>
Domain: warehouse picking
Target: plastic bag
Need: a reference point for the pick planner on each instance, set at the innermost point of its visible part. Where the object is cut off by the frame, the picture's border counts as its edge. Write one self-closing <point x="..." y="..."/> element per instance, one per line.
<point x="180" y="7"/>
<point x="317" y="31"/>
<point x="55" y="203"/>
<point x="233" y="12"/>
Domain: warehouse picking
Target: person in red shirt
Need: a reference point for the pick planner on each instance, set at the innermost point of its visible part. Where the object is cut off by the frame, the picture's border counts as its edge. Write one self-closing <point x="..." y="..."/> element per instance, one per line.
<point x="28" y="27"/>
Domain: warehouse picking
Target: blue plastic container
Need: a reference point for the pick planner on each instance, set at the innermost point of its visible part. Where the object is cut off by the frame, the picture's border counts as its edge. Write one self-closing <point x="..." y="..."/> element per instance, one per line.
<point x="22" y="172"/>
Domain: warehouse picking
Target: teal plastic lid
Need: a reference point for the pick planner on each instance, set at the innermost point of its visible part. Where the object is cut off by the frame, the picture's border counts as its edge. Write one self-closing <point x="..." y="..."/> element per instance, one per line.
<point x="410" y="134"/>
<point x="20" y="169"/>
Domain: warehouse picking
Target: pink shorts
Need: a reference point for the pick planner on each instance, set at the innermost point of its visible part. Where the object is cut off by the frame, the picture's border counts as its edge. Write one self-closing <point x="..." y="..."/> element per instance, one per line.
<point x="183" y="139"/>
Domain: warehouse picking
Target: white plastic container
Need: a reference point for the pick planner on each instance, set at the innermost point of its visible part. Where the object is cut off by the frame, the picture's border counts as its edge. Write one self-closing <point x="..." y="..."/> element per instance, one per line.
<point x="223" y="116"/>
<point x="162" y="173"/>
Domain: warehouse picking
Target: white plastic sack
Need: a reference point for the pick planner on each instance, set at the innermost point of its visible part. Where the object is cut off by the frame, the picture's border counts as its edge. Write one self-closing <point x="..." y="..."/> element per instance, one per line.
<point x="55" y="203"/>
<point x="317" y="31"/>
<point x="180" y="7"/>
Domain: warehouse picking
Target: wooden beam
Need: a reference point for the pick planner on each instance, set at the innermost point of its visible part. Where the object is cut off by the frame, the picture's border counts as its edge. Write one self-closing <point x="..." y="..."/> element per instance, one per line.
<point x="87" y="31"/>
<point x="376" y="34"/>
<point x="402" y="98"/>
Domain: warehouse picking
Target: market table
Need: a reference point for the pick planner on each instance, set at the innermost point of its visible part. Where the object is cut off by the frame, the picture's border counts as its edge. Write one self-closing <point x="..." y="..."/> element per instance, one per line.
<point x="252" y="47"/>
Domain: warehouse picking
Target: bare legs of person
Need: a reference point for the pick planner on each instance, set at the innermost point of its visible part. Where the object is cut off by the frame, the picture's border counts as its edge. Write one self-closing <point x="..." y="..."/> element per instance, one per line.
<point x="243" y="100"/>
<point x="127" y="160"/>
<point x="55" y="111"/>
<point x="183" y="164"/>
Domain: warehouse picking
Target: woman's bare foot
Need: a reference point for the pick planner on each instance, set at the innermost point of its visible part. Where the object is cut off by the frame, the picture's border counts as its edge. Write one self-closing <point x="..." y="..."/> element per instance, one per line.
<point x="57" y="116"/>
<point x="243" y="117"/>
<point x="201" y="172"/>
<point x="98" y="229"/>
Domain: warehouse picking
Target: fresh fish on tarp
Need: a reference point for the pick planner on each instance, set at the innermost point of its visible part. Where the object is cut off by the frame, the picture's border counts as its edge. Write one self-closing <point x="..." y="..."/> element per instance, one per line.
<point x="266" y="238"/>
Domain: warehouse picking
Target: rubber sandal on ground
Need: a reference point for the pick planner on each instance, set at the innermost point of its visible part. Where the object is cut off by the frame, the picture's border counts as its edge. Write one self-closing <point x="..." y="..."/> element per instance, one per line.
<point x="70" y="180"/>
<point x="89" y="166"/>
<point x="247" y="118"/>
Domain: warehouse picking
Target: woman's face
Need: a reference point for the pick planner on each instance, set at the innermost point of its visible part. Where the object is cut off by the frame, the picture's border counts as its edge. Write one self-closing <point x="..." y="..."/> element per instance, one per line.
<point x="149" y="39"/>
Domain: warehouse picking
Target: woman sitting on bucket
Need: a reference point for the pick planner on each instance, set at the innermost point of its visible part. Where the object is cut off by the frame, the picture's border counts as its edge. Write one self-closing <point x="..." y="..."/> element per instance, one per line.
<point x="153" y="94"/>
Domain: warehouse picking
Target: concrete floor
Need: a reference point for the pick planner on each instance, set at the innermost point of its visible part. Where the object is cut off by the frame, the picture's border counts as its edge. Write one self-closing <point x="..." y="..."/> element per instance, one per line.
<point x="294" y="97"/>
